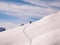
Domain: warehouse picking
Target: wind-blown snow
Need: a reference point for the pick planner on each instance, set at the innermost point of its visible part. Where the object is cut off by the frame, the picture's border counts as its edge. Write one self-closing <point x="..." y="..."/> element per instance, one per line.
<point x="43" y="32"/>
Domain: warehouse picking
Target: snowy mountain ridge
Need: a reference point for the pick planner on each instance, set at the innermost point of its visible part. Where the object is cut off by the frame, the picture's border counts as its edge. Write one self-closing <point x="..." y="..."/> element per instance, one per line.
<point x="43" y="32"/>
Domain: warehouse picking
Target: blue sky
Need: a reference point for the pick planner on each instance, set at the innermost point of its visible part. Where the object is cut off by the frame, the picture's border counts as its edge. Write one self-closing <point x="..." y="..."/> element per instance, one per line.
<point x="23" y="11"/>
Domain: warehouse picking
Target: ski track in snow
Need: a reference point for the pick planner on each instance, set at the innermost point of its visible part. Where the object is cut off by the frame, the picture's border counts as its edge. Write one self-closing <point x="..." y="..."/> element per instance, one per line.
<point x="27" y="35"/>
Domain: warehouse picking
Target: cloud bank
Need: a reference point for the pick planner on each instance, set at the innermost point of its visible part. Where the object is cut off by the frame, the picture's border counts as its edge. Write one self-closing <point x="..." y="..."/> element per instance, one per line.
<point x="26" y="10"/>
<point x="7" y="25"/>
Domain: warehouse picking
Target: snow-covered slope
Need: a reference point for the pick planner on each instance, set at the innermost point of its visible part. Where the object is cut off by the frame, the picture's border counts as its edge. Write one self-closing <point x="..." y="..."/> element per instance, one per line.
<point x="43" y="32"/>
<point x="13" y="36"/>
<point x="50" y="38"/>
<point x="46" y="24"/>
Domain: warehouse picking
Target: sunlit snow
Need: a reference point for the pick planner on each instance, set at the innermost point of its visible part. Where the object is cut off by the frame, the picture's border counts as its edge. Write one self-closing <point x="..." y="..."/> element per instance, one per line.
<point x="43" y="32"/>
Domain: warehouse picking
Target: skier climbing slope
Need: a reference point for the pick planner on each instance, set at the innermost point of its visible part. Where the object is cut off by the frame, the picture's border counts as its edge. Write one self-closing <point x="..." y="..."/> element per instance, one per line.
<point x="46" y="24"/>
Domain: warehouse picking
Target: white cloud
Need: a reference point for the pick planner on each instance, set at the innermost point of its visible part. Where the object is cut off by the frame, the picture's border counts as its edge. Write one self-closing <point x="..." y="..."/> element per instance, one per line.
<point x="7" y="25"/>
<point x="38" y="2"/>
<point x="24" y="10"/>
<point x="57" y="4"/>
<point x="45" y="3"/>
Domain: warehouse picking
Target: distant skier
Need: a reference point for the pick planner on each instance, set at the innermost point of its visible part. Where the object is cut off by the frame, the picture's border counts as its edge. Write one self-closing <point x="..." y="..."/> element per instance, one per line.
<point x="30" y="22"/>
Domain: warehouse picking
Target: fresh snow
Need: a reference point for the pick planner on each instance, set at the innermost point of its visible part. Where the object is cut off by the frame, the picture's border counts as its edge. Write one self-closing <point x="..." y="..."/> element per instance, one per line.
<point x="43" y="32"/>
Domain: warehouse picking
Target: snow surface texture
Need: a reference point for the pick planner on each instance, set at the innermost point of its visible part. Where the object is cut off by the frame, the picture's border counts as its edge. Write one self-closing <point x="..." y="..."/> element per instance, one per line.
<point x="43" y="32"/>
